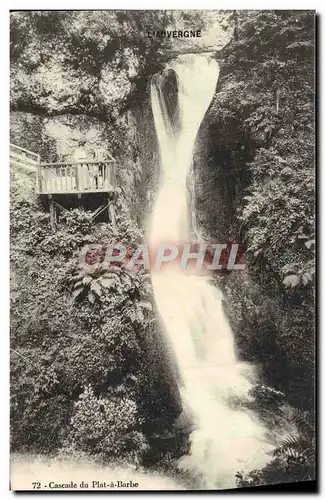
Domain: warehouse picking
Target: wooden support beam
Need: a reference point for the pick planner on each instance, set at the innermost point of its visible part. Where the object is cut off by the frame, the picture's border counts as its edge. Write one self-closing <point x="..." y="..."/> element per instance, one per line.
<point x="81" y="207"/>
<point x="77" y="177"/>
<point x="52" y="213"/>
<point x="111" y="215"/>
<point x="62" y="208"/>
<point x="98" y="211"/>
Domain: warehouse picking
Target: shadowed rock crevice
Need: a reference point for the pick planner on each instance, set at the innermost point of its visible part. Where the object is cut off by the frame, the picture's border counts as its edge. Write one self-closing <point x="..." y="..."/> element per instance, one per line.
<point x="166" y="83"/>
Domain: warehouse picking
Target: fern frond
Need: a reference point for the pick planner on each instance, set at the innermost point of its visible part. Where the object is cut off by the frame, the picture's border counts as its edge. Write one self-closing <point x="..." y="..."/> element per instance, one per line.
<point x="290" y="444"/>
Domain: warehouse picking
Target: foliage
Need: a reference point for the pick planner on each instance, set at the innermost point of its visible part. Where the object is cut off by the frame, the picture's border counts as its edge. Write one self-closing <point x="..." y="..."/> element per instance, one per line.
<point x="63" y="343"/>
<point x="90" y="61"/>
<point x="271" y="68"/>
<point x="73" y="75"/>
<point x="263" y="111"/>
<point x="294" y="457"/>
<point x="80" y="371"/>
<point x="106" y="427"/>
<point x="276" y="338"/>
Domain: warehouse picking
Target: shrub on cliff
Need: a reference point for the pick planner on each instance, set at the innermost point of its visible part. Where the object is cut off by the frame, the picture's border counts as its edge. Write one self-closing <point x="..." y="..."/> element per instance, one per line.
<point x="265" y="106"/>
<point x="62" y="344"/>
<point x="108" y="427"/>
<point x="271" y="67"/>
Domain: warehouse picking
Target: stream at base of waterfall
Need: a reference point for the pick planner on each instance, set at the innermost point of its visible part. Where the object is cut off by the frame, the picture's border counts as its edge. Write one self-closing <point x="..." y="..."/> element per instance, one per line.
<point x="227" y="438"/>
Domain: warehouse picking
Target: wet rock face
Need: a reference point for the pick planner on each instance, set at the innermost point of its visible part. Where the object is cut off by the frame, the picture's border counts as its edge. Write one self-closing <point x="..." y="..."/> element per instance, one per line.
<point x="213" y="205"/>
<point x="221" y="176"/>
<point x="167" y="85"/>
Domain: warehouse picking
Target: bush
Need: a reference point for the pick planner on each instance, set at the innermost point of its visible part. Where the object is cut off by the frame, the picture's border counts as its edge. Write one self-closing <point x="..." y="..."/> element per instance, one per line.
<point x="107" y="426"/>
<point x="63" y="342"/>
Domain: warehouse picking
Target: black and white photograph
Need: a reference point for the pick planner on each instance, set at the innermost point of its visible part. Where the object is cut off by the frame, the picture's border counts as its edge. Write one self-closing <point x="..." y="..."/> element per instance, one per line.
<point x="162" y="250"/>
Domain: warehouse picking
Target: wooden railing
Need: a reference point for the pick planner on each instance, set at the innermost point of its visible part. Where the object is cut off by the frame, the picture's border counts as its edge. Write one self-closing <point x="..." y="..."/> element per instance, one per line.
<point x="76" y="177"/>
<point x="20" y="157"/>
<point x="71" y="177"/>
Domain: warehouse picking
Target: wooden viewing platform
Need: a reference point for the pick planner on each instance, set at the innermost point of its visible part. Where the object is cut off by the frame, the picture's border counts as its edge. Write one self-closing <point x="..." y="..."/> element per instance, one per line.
<point x="89" y="183"/>
<point x="76" y="177"/>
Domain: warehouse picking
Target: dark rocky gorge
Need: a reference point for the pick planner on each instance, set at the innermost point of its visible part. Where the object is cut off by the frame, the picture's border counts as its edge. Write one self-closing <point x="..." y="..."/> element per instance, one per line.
<point x="252" y="183"/>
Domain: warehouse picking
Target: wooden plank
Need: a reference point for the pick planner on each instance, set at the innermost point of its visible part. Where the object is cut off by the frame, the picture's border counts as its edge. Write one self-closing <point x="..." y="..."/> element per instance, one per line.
<point x="47" y="177"/>
<point x="113" y="167"/>
<point x="22" y="158"/>
<point x="49" y="181"/>
<point x="107" y="175"/>
<point x="101" y="172"/>
<point x="90" y="176"/>
<point x="63" y="164"/>
<point x="96" y="175"/>
<point x="85" y="177"/>
<point x="25" y="166"/>
<point x="77" y="178"/>
<point x="21" y="149"/>
<point x="38" y="180"/>
<point x="104" y="175"/>
<point x="25" y="150"/>
<point x="71" y="192"/>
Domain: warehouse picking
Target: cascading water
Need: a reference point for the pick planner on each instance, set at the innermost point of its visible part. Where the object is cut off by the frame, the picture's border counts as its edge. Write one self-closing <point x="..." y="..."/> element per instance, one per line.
<point x="226" y="438"/>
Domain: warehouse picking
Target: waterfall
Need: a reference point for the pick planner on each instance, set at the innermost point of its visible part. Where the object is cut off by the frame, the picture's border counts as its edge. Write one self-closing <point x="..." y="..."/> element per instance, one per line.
<point x="227" y="438"/>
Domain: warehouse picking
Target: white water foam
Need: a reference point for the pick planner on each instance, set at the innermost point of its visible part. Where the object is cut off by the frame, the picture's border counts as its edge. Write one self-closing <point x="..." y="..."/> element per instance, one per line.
<point x="226" y="439"/>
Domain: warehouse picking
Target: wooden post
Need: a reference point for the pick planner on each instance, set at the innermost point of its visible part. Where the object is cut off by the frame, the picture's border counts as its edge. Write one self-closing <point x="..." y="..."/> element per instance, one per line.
<point x="109" y="175"/>
<point x="80" y="202"/>
<point x="114" y="174"/>
<point x="77" y="177"/>
<point x="38" y="176"/>
<point x="111" y="213"/>
<point x="52" y="213"/>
